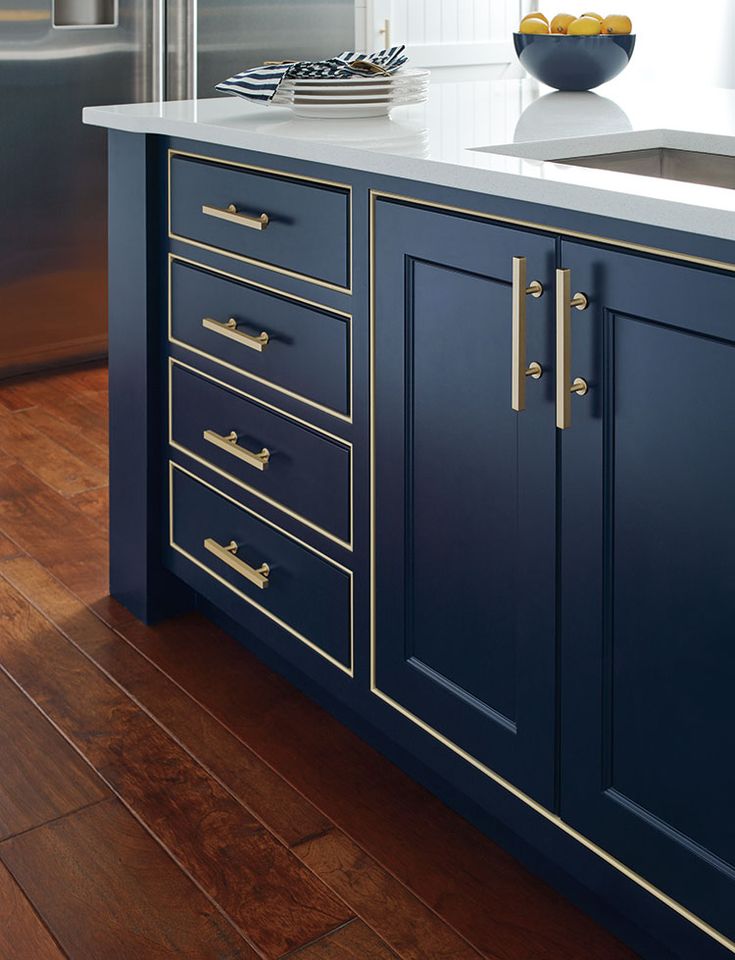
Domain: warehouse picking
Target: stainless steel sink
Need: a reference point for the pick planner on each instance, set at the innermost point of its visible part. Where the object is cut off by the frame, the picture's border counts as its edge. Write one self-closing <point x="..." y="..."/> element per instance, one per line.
<point x="712" y="169"/>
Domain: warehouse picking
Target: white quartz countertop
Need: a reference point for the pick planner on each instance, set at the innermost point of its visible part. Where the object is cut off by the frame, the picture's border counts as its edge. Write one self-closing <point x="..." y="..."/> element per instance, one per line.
<point x="437" y="142"/>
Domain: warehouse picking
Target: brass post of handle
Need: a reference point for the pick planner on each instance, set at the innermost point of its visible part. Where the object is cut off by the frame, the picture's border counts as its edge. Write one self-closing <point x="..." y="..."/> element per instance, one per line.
<point x="229" y="329"/>
<point x="228" y="554"/>
<point x="233" y="215"/>
<point x="519" y="370"/>
<point x="565" y="387"/>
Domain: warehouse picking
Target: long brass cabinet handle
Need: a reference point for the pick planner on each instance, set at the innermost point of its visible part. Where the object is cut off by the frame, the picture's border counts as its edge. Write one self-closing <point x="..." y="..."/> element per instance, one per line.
<point x="520" y="290"/>
<point x="229" y="443"/>
<point x="229" y="329"/>
<point x="233" y="215"/>
<point x="565" y="387"/>
<point x="228" y="554"/>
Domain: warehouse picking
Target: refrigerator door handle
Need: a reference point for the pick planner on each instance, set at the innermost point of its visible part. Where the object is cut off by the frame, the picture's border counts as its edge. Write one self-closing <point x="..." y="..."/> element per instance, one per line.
<point x="181" y="54"/>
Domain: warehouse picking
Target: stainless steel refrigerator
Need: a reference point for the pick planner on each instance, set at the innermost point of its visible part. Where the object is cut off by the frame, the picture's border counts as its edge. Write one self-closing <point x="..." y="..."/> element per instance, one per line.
<point x="57" y="56"/>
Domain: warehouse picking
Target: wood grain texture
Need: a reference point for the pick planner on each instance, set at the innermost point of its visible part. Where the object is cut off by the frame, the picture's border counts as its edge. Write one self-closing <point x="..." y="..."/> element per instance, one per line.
<point x="113" y="893"/>
<point x="94" y="504"/>
<point x="41" y="776"/>
<point x="276" y="901"/>
<point x="8" y="548"/>
<point x="53" y="463"/>
<point x="22" y="934"/>
<point x="276" y="804"/>
<point x="68" y="436"/>
<point x="471" y="882"/>
<point x="49" y="528"/>
<point x="412" y="930"/>
<point x="355" y="941"/>
<point x="63" y="393"/>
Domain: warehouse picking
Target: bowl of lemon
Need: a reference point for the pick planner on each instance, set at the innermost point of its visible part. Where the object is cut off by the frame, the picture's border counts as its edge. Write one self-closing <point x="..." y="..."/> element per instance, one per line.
<point x="574" y="53"/>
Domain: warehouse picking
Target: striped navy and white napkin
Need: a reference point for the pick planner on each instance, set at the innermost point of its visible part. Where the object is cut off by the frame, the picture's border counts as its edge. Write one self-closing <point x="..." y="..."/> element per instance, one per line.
<point x="260" y="84"/>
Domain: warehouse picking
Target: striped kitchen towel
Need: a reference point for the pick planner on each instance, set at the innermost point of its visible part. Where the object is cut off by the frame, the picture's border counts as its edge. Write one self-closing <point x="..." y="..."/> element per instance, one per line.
<point x="260" y="84"/>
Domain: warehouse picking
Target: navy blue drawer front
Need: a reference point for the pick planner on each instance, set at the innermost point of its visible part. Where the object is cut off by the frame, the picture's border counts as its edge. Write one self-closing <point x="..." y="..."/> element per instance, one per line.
<point x="308" y="595"/>
<point x="307" y="353"/>
<point x="307" y="474"/>
<point x="308" y="226"/>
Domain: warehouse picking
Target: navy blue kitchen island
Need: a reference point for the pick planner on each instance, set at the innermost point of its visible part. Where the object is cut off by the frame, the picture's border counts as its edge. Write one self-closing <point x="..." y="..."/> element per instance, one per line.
<point x="462" y="467"/>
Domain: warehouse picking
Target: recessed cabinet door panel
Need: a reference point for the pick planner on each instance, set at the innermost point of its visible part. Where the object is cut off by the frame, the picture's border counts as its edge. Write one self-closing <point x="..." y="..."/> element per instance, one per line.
<point x="648" y="574"/>
<point x="464" y="637"/>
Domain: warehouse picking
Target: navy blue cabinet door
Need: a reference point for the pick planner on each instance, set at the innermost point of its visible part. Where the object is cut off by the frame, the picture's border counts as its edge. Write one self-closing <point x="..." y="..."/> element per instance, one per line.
<point x="648" y="574"/>
<point x="464" y="490"/>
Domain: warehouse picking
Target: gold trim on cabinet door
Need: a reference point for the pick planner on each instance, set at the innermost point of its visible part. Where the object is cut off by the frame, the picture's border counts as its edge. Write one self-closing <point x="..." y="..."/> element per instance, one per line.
<point x="559" y="231"/>
<point x="538" y="808"/>
<point x="284" y="174"/>
<point x="349" y="670"/>
<point x="346" y="417"/>
<point x="345" y="544"/>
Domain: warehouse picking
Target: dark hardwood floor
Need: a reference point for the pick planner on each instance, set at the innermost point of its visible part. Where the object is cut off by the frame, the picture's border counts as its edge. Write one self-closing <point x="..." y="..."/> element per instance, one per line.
<point x="165" y="795"/>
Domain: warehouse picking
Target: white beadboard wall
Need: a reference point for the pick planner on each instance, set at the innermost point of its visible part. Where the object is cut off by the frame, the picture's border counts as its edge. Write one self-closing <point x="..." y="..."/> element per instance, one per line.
<point x="443" y="32"/>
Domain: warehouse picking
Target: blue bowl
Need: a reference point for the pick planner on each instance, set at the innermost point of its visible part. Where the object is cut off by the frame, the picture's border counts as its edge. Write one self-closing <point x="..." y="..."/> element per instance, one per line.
<point x="573" y="63"/>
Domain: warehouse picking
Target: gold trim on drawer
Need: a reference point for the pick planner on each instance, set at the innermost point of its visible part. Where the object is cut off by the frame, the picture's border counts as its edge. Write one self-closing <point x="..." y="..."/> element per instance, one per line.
<point x="262" y="263"/>
<point x="346" y="417"/>
<point x="347" y="544"/>
<point x="486" y="771"/>
<point x="349" y="670"/>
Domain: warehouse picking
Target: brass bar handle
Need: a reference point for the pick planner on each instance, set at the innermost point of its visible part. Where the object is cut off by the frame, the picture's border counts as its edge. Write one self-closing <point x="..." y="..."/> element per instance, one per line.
<point x="233" y="215"/>
<point x="565" y="388"/>
<point x="229" y="443"/>
<point x="257" y="575"/>
<point x="229" y="329"/>
<point x="519" y="371"/>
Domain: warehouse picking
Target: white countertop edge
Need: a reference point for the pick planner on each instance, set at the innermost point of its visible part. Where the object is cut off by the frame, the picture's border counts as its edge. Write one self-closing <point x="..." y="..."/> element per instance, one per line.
<point x="705" y="220"/>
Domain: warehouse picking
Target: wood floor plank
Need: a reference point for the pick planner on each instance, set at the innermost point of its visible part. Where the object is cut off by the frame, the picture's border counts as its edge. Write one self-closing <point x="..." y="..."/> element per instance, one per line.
<point x="54" y="532"/>
<point x="276" y="804"/>
<point x="22" y="934"/>
<point x="94" y="504"/>
<point x="355" y="941"/>
<point x="412" y="930"/>
<point x="47" y="459"/>
<point x="259" y="883"/>
<point x="61" y="393"/>
<point x="8" y="548"/>
<point x="41" y="776"/>
<point x="67" y="436"/>
<point x="477" y="887"/>
<point x="114" y="894"/>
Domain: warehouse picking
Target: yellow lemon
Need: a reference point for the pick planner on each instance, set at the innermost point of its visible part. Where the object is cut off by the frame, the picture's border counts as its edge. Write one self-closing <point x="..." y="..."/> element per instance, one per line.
<point x="595" y="15"/>
<point x="584" y="27"/>
<point x="537" y="15"/>
<point x="560" y="23"/>
<point x="533" y="25"/>
<point x="617" y="24"/>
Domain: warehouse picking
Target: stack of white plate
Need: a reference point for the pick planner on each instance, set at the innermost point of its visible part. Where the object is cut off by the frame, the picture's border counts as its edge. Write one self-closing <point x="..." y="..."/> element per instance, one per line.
<point x="372" y="96"/>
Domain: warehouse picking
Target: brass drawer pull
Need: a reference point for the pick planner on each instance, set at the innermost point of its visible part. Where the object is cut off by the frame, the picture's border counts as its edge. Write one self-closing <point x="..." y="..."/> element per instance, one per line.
<point x="228" y="555"/>
<point x="229" y="443"/>
<point x="565" y="387"/>
<point x="519" y="371"/>
<point x="233" y="215"/>
<point x="229" y="329"/>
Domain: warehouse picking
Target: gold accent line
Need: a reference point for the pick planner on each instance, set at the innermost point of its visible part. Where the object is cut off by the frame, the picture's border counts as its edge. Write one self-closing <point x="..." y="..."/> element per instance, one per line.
<point x="262" y="263"/>
<point x="561" y="231"/>
<point x="349" y="670"/>
<point x="346" y="544"/>
<point x="455" y="748"/>
<point x="346" y="417"/>
<point x="246" y="281"/>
